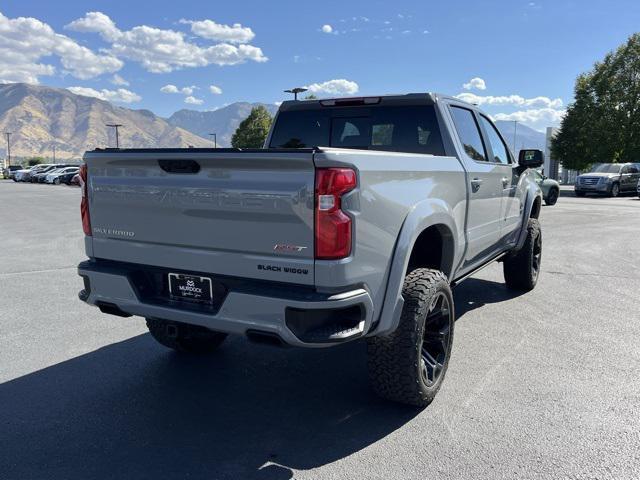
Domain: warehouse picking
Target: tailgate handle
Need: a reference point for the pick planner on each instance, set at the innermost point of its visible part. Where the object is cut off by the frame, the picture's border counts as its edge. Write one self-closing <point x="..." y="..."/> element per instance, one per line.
<point x="179" y="166"/>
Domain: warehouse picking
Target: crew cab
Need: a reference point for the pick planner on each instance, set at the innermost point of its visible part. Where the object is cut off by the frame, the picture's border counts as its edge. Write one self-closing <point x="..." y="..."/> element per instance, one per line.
<point x="354" y="221"/>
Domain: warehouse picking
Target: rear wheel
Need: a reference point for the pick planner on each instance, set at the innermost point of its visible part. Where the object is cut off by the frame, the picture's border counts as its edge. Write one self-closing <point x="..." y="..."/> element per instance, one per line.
<point x="183" y="337"/>
<point x="409" y="365"/>
<point x="552" y="197"/>
<point x="522" y="268"/>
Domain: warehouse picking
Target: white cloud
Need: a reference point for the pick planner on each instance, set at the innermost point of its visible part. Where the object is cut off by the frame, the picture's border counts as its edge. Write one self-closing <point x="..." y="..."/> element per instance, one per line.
<point x="476" y="83"/>
<point x="327" y="29"/>
<point x="120" y="95"/>
<point x="193" y="100"/>
<point x="336" y="87"/>
<point x="118" y="80"/>
<point x="173" y="89"/>
<point x="215" y="90"/>
<point x="211" y="30"/>
<point x="96" y="22"/>
<point x="163" y="51"/>
<point x="170" y="89"/>
<point x="538" y="119"/>
<point x="513" y="100"/>
<point x="25" y="41"/>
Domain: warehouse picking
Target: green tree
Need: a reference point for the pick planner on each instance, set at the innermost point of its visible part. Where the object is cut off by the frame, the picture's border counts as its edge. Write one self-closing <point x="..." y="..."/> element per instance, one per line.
<point x="253" y="130"/>
<point x="310" y="96"/>
<point x="34" y="161"/>
<point x="603" y="122"/>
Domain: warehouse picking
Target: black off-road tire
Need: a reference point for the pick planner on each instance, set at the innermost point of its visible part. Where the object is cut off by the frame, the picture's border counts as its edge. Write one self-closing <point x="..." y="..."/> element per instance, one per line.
<point x="397" y="362"/>
<point x="552" y="198"/>
<point x="522" y="268"/>
<point x="183" y="337"/>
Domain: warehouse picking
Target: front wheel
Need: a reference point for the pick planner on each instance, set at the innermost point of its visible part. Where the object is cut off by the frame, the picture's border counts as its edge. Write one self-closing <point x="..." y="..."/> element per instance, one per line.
<point x="614" y="191"/>
<point x="56" y="181"/>
<point x="183" y="337"/>
<point x="552" y="198"/>
<point x="522" y="268"/>
<point x="408" y="365"/>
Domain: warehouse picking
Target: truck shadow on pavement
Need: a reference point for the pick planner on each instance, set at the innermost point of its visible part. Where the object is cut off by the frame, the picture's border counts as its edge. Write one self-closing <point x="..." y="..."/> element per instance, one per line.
<point x="136" y="410"/>
<point x="475" y="293"/>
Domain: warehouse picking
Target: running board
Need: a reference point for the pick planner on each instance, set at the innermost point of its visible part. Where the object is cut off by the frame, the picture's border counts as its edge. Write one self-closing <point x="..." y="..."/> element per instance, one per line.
<point x="496" y="258"/>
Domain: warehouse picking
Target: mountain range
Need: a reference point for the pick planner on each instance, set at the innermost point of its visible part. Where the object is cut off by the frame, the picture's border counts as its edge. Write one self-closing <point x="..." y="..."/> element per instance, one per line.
<point x="526" y="137"/>
<point x="41" y="118"/>
<point x="223" y="121"/>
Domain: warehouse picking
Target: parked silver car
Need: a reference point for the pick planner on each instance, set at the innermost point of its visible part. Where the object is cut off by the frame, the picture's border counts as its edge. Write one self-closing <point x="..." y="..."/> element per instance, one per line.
<point x="550" y="188"/>
<point x="54" y="176"/>
<point x="608" y="179"/>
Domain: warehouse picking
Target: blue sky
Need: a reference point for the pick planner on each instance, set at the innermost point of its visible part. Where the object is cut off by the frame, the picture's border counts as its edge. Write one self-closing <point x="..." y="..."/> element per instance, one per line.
<point x="524" y="55"/>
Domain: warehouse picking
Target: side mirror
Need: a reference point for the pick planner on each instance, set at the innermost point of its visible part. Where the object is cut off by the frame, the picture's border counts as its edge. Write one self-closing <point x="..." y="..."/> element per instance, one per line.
<point x="531" y="158"/>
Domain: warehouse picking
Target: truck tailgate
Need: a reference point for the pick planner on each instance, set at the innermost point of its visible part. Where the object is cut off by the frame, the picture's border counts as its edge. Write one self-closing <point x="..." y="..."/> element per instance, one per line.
<point x="247" y="214"/>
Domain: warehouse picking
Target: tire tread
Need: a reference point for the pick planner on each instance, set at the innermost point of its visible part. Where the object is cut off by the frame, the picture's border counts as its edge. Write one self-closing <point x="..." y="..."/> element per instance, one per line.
<point x="393" y="359"/>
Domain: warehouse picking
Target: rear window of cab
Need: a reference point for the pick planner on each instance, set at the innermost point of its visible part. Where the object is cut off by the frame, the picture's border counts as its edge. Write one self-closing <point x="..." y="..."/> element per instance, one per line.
<point x="389" y="128"/>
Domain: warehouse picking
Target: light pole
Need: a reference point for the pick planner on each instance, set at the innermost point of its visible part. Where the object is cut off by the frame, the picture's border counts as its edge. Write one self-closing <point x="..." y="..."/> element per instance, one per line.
<point x="116" y="126"/>
<point x="215" y="140"/>
<point x="296" y="91"/>
<point x="8" y="135"/>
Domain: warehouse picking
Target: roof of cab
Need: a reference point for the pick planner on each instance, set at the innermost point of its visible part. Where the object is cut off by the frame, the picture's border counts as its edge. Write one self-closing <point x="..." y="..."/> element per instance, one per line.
<point x="425" y="98"/>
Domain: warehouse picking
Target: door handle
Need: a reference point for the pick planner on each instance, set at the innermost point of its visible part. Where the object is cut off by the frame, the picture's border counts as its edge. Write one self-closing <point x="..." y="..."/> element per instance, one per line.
<point x="505" y="182"/>
<point x="475" y="184"/>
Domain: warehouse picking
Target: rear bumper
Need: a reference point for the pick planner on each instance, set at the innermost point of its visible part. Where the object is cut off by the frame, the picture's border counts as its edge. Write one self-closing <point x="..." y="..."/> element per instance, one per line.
<point x="298" y="315"/>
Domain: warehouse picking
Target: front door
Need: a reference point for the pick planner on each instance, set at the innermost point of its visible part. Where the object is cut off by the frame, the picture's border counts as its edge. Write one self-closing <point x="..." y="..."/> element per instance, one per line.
<point x="511" y="215"/>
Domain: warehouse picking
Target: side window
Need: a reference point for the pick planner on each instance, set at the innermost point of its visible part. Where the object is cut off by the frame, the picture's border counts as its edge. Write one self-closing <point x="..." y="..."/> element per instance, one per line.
<point x="500" y="151"/>
<point x="469" y="133"/>
<point x="625" y="169"/>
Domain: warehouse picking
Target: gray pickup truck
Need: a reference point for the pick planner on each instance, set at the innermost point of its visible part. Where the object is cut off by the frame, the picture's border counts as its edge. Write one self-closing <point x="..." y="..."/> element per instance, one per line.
<point x="354" y="221"/>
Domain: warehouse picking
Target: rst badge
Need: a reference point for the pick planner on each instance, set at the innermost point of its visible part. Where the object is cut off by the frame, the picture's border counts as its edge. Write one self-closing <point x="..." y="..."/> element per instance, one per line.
<point x="286" y="248"/>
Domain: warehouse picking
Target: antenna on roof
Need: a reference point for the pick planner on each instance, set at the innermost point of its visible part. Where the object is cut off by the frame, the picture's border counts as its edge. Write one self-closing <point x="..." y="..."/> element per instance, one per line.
<point x="296" y="91"/>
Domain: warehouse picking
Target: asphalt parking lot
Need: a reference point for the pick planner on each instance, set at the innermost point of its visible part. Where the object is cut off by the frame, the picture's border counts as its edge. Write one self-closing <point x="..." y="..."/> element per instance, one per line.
<point x="541" y="385"/>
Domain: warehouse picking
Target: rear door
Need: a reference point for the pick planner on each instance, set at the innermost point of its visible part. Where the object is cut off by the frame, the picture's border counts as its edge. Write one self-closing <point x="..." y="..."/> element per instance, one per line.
<point x="247" y="214"/>
<point x="485" y="187"/>
<point x="510" y="216"/>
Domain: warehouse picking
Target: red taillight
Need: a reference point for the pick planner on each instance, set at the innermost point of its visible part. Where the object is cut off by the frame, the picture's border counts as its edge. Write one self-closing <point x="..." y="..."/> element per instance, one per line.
<point x="84" y="203"/>
<point x="333" y="226"/>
